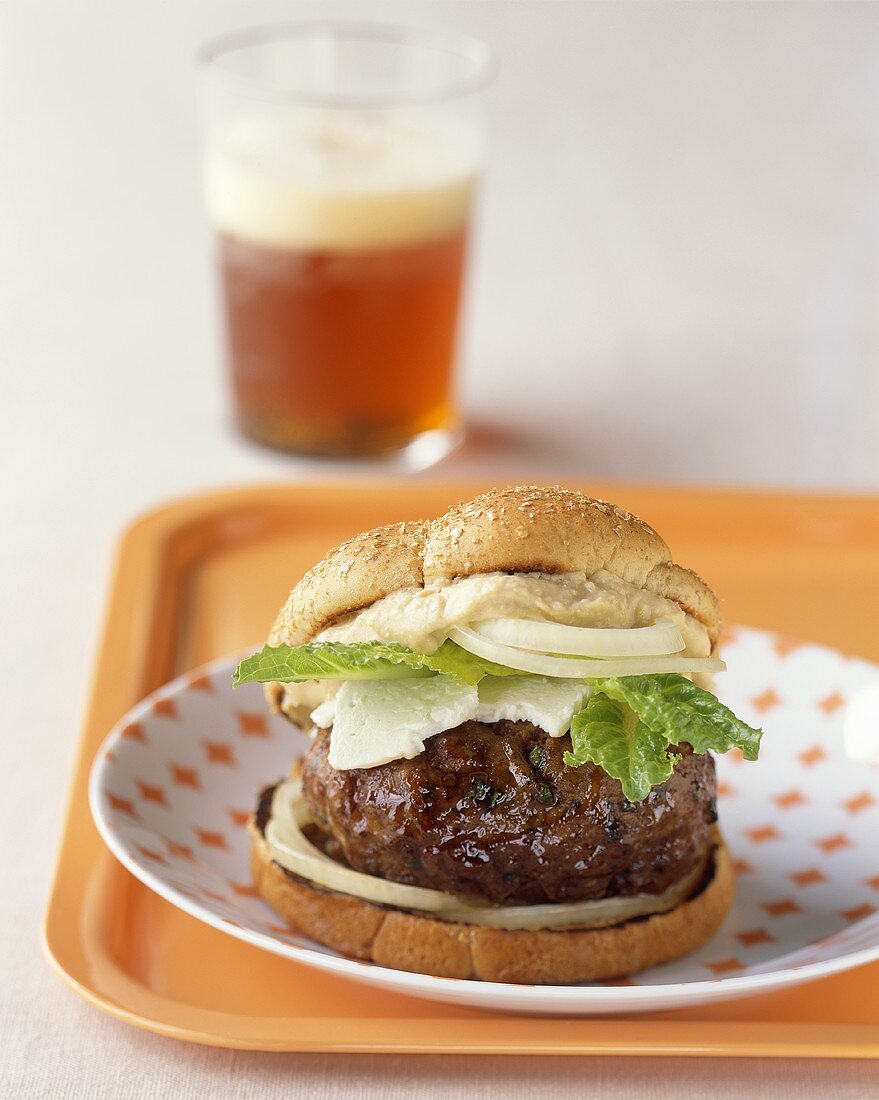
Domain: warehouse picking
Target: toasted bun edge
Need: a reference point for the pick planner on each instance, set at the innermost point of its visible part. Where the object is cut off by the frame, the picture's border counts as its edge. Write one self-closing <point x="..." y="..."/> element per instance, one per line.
<point x="403" y="940"/>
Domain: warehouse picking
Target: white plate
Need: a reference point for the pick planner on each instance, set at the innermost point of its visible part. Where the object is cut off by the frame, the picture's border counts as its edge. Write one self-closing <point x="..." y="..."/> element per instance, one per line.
<point x="173" y="784"/>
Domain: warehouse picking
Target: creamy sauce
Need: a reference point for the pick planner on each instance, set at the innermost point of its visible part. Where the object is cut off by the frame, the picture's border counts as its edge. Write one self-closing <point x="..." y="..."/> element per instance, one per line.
<point x="421" y="618"/>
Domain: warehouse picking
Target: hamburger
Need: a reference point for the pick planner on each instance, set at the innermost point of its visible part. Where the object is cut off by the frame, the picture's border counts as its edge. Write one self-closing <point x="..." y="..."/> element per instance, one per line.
<point x="511" y="725"/>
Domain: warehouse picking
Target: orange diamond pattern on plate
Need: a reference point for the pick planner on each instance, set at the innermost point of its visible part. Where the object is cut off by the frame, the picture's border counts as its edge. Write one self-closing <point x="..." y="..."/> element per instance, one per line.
<point x="754" y="937"/>
<point x="149" y="793"/>
<point x="201" y="683"/>
<point x="766" y="700"/>
<point x="209" y="838"/>
<point x="166" y="708"/>
<point x="808" y="877"/>
<point x="148" y="853"/>
<point x="217" y="752"/>
<point x="184" y="777"/>
<point x="742" y="867"/>
<point x="239" y="818"/>
<point x="725" y="966"/>
<point x="789" y="799"/>
<point x="831" y="702"/>
<point x="244" y="889"/>
<point x="859" y="912"/>
<point x="834" y="843"/>
<point x="134" y="732"/>
<point x="762" y="834"/>
<point x="873" y="883"/>
<point x="122" y="805"/>
<point x="179" y="851"/>
<point x="252" y="724"/>
<point x="862" y="801"/>
<point x="785" y="646"/>
<point x="782" y="908"/>
<point x="812" y="756"/>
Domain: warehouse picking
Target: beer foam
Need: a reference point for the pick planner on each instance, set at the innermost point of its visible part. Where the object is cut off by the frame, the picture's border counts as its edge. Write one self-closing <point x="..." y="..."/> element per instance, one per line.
<point x="340" y="181"/>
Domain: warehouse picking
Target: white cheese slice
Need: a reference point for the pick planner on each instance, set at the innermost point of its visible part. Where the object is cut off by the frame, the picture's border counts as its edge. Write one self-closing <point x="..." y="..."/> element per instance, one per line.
<point x="548" y="703"/>
<point x="381" y="720"/>
<point x="324" y="715"/>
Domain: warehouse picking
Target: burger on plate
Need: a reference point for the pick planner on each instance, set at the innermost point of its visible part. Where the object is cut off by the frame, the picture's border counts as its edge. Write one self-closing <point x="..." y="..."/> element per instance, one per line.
<point x="510" y="773"/>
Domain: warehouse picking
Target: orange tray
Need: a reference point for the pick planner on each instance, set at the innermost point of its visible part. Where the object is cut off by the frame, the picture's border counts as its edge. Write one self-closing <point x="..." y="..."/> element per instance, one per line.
<point x="204" y="577"/>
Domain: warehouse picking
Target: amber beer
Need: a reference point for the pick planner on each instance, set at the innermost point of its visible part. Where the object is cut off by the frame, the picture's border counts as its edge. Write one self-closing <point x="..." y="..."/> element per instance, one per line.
<point x="342" y="279"/>
<point x="342" y="353"/>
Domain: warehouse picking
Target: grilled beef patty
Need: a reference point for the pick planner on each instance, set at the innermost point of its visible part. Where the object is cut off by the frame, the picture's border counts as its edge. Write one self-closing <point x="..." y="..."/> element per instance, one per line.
<point x="492" y="811"/>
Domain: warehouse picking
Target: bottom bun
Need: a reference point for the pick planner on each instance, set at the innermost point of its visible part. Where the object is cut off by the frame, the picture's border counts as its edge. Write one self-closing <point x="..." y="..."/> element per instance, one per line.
<point x="403" y="940"/>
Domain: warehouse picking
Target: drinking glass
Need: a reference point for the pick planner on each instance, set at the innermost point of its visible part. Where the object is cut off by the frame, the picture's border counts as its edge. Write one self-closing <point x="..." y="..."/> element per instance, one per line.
<point x="341" y="163"/>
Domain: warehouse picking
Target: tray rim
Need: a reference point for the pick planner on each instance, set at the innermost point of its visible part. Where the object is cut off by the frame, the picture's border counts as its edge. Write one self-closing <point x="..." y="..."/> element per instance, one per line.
<point x="144" y="548"/>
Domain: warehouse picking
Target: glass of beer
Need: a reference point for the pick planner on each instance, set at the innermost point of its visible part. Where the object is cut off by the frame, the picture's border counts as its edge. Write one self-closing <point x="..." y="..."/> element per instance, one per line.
<point x="341" y="166"/>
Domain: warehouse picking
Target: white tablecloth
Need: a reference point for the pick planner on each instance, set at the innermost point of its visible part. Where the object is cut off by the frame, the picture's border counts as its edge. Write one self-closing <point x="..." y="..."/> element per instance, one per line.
<point x="675" y="279"/>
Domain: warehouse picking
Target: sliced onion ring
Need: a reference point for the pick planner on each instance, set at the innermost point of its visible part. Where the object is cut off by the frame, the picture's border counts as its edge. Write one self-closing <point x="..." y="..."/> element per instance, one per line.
<point x="583" y="641"/>
<point x="289" y="847"/>
<point x="544" y="664"/>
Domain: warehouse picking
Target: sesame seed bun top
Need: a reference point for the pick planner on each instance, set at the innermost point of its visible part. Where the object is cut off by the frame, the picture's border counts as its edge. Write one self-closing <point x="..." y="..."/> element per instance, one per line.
<point x="523" y="529"/>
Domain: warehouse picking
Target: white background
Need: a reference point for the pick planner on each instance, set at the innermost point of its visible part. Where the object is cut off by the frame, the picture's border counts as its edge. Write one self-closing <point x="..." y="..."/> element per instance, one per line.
<point x="676" y="278"/>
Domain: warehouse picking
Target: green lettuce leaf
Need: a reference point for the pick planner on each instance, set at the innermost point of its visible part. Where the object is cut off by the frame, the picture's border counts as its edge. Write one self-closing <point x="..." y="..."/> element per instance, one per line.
<point x="361" y="661"/>
<point x="452" y="660"/>
<point x="680" y="710"/>
<point x="611" y="735"/>
<point x="630" y="723"/>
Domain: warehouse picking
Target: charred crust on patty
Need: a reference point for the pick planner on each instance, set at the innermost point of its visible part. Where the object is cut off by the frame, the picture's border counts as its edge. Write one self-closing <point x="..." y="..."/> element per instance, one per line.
<point x="492" y="811"/>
